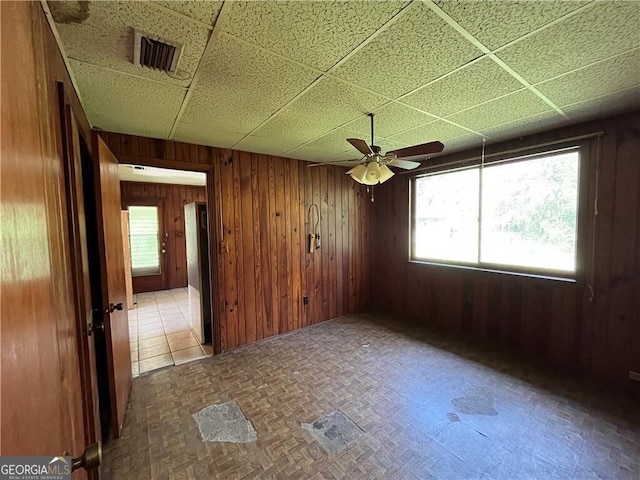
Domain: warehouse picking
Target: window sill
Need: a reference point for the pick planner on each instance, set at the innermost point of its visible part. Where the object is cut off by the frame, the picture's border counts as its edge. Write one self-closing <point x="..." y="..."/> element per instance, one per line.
<point x="538" y="276"/>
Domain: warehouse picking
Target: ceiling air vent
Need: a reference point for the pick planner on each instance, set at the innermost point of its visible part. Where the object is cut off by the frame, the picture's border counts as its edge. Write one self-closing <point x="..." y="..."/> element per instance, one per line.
<point x="154" y="52"/>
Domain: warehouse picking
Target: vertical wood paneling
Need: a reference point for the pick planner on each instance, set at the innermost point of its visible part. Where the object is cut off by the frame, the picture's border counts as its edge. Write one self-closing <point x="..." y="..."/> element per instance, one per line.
<point x="266" y="236"/>
<point x="604" y="246"/>
<point x="174" y="198"/>
<point x="237" y="230"/>
<point x="346" y="261"/>
<point x="355" y="293"/>
<point x="623" y="273"/>
<point x="42" y="381"/>
<point x="248" y="237"/>
<point x="351" y="228"/>
<point x="216" y="248"/>
<point x="303" y="231"/>
<point x="340" y="218"/>
<point x="169" y="149"/>
<point x="309" y="257"/>
<point x="143" y="146"/>
<point x="324" y="249"/>
<point x="265" y="268"/>
<point x="316" y="295"/>
<point x="293" y="254"/>
<point x="281" y="248"/>
<point x="257" y="249"/>
<point x="230" y="319"/>
<point x="545" y="318"/>
<point x="331" y="244"/>
<point x="275" y="244"/>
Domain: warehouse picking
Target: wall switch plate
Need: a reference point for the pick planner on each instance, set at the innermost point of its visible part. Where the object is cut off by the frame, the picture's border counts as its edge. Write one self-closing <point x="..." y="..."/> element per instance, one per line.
<point x="634" y="375"/>
<point x="305" y="300"/>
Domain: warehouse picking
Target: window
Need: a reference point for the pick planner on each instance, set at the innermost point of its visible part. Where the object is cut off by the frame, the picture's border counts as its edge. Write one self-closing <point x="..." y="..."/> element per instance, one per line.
<point x="518" y="213"/>
<point x="143" y="235"/>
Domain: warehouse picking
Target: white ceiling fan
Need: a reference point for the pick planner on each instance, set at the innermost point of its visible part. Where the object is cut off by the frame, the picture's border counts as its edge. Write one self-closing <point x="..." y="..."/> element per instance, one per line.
<point x="373" y="167"/>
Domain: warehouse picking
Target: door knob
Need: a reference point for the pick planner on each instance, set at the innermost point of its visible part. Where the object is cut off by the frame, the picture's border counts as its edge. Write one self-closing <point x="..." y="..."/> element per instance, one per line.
<point x="90" y="458"/>
<point x="113" y="307"/>
<point x="163" y="251"/>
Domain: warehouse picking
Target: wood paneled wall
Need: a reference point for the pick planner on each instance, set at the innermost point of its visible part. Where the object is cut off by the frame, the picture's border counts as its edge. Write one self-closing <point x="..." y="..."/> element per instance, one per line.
<point x="41" y="390"/>
<point x="174" y="198"/>
<point x="551" y="320"/>
<point x="261" y="219"/>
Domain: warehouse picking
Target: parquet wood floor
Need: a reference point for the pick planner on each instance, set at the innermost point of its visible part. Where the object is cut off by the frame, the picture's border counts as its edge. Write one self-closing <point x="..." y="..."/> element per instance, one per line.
<point x="399" y="387"/>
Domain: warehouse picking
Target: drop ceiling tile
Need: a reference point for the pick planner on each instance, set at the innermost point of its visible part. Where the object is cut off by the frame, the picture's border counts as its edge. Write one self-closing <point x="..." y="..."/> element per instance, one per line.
<point x="603" y="78"/>
<point x="388" y="144"/>
<point x="314" y="154"/>
<point x="327" y="105"/>
<point x="390" y="119"/>
<point x="336" y="141"/>
<point x="497" y="23"/>
<point x="122" y="103"/>
<point x="334" y="144"/>
<point x="268" y="145"/>
<point x="248" y="90"/>
<point x="463" y="142"/>
<point x="316" y="33"/>
<point x="346" y="156"/>
<point x="431" y="132"/>
<point x="525" y="126"/>
<point x="476" y="83"/>
<point x="456" y="144"/>
<point x="506" y="109"/>
<point x="105" y="38"/>
<point x="203" y="134"/>
<point x="620" y="102"/>
<point x="599" y="32"/>
<point x="385" y="144"/>
<point x="417" y="48"/>
<point x="206" y="12"/>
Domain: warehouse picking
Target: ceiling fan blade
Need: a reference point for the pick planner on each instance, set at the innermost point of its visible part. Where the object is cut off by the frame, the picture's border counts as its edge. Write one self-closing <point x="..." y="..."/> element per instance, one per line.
<point x="422" y="149"/>
<point x="360" y="145"/>
<point x="343" y="163"/>
<point x="406" y="164"/>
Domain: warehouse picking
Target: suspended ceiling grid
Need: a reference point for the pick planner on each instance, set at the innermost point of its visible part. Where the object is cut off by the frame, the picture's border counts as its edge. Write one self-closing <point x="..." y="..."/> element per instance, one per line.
<point x="295" y="78"/>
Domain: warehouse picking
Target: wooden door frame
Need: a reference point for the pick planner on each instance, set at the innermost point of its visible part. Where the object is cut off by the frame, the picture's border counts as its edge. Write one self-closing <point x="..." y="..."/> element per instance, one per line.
<point x="164" y="259"/>
<point x="213" y="220"/>
<point x="81" y="283"/>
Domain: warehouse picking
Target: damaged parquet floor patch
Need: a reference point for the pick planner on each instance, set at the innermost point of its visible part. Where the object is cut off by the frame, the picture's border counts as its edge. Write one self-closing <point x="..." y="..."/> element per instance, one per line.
<point x="427" y="407"/>
<point x="334" y="431"/>
<point x="224" y="422"/>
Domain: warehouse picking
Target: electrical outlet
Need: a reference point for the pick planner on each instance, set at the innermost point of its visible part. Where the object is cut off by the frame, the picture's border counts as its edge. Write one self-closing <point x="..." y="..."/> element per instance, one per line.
<point x="634" y="375"/>
<point x="305" y="300"/>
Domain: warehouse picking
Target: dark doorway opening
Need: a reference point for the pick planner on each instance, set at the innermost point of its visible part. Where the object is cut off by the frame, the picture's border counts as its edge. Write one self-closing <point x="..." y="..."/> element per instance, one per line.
<point x="91" y="220"/>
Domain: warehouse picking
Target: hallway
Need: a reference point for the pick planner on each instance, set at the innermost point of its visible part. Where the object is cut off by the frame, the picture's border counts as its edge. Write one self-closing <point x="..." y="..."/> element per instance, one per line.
<point x="159" y="331"/>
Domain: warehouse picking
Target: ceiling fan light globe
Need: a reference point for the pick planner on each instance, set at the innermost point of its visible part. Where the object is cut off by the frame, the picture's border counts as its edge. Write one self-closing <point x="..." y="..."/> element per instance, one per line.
<point x="385" y="173"/>
<point x="373" y="173"/>
<point x="358" y="173"/>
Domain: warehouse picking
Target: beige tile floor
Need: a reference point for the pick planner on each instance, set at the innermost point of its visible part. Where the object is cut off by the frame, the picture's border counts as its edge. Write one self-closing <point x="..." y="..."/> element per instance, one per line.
<point x="159" y="331"/>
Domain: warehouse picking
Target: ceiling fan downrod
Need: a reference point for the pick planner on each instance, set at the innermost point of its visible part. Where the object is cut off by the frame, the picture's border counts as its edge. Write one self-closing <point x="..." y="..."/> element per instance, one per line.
<point x="370" y="115"/>
<point x="375" y="150"/>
